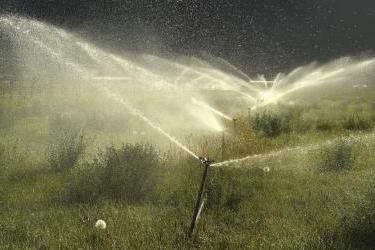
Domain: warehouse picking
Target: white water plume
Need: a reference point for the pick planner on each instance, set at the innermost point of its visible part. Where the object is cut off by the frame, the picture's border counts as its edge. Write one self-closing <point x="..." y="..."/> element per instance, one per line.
<point x="134" y="70"/>
<point x="343" y="71"/>
<point x="240" y="72"/>
<point x="294" y="150"/>
<point x="137" y="113"/>
<point x="264" y="156"/>
<point x="111" y="78"/>
<point x="167" y="89"/>
<point x="207" y="77"/>
<point x="61" y="55"/>
<point x="200" y="103"/>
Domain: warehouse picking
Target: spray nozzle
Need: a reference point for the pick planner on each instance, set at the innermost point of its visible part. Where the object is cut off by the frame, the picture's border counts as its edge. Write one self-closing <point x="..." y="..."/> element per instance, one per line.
<point x="206" y="160"/>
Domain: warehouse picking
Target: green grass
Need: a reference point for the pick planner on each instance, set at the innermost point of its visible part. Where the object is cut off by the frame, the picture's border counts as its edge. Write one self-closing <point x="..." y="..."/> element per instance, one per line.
<point x="294" y="205"/>
<point x="319" y="197"/>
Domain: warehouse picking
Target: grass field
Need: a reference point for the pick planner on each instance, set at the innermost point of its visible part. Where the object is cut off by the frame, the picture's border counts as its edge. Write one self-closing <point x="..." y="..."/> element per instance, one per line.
<point x="65" y="163"/>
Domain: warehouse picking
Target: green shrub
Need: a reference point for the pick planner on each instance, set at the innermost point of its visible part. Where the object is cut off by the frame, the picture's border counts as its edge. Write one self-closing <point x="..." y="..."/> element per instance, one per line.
<point x="129" y="173"/>
<point x="267" y="123"/>
<point x="66" y="151"/>
<point x="324" y="125"/>
<point x="274" y="123"/>
<point x="291" y="120"/>
<point x="337" y="156"/>
<point x="357" y="122"/>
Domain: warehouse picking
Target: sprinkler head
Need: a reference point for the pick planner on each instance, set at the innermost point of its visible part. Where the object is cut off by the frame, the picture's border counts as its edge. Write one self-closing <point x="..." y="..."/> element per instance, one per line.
<point x="206" y="161"/>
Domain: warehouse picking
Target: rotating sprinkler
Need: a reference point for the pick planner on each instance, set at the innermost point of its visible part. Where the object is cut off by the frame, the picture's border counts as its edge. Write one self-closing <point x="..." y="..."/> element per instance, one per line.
<point x="200" y="203"/>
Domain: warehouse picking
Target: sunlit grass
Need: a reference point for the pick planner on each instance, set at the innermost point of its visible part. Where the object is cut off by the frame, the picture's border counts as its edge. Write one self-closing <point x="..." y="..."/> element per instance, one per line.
<point x="282" y="201"/>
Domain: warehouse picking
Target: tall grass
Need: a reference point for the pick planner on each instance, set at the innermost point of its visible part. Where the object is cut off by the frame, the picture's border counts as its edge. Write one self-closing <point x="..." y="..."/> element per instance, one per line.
<point x="268" y="124"/>
<point x="66" y="151"/>
<point x="272" y="123"/>
<point x="129" y="173"/>
<point x="357" y="122"/>
<point x="338" y="156"/>
<point x="227" y="188"/>
<point x="287" y="208"/>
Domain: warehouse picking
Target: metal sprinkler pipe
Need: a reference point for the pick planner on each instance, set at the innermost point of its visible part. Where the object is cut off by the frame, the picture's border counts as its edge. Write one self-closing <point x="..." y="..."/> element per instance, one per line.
<point x="249" y="115"/>
<point x="199" y="204"/>
<point x="235" y="124"/>
<point x="222" y="145"/>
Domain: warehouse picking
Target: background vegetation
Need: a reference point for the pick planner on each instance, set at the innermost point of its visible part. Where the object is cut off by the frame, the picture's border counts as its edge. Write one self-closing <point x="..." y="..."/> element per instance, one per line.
<point x="65" y="164"/>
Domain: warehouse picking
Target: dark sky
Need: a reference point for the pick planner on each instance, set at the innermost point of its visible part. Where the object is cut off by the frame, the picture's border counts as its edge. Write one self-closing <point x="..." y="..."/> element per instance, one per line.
<point x="258" y="36"/>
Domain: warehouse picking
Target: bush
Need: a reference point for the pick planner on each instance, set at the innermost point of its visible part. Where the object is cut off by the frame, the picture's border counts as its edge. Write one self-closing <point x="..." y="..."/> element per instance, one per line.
<point x="129" y="173"/>
<point x="324" y="125"/>
<point x="357" y="122"/>
<point x="338" y="156"/>
<point x="267" y="123"/>
<point x="67" y="150"/>
<point x="292" y="121"/>
<point x="274" y="123"/>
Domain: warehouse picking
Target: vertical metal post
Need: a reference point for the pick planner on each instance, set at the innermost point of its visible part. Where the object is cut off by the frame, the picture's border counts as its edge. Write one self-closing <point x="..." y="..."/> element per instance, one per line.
<point x="222" y="145"/>
<point x="249" y="115"/>
<point x="234" y="125"/>
<point x="199" y="198"/>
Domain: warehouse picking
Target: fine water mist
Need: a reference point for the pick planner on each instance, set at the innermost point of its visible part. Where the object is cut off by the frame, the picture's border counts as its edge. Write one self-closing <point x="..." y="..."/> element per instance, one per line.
<point x="62" y="55"/>
<point x="338" y="73"/>
<point x="172" y="95"/>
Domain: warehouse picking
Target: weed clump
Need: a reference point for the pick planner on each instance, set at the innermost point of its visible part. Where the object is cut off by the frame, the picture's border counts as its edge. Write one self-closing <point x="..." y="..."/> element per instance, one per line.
<point x="338" y="156"/>
<point x="357" y="122"/>
<point x="324" y="125"/>
<point x="268" y="124"/>
<point x="129" y="173"/>
<point x="273" y="123"/>
<point x="66" y="151"/>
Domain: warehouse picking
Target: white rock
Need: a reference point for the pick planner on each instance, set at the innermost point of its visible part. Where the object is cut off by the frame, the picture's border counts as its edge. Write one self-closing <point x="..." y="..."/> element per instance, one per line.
<point x="100" y="224"/>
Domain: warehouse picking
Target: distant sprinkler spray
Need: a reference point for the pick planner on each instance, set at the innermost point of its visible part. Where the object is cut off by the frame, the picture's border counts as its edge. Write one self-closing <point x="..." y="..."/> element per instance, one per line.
<point x="268" y="96"/>
<point x="137" y="113"/>
<point x="180" y="76"/>
<point x="215" y="111"/>
<point x="123" y="63"/>
<point x="235" y="68"/>
<point x="276" y="81"/>
<point x="261" y="81"/>
<point x="204" y="75"/>
<point x="275" y="153"/>
<point x="111" y="78"/>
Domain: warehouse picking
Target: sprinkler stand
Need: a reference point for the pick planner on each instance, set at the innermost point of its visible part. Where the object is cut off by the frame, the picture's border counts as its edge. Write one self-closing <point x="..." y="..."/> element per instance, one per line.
<point x="222" y="145"/>
<point x="198" y="206"/>
<point x="234" y="124"/>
